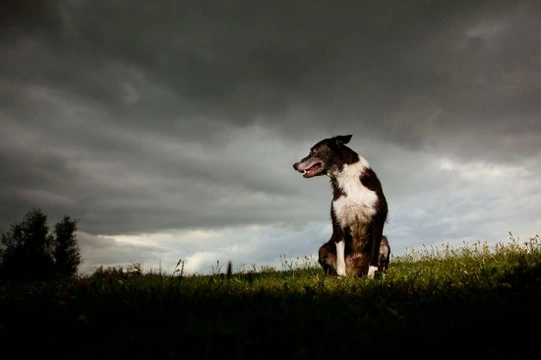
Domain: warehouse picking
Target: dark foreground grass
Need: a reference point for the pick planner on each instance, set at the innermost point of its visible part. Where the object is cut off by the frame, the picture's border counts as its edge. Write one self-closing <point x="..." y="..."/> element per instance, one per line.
<point x="444" y="302"/>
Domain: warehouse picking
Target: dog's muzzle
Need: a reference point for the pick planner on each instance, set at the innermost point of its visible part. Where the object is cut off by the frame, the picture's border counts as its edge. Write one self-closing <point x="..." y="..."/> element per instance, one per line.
<point x="308" y="169"/>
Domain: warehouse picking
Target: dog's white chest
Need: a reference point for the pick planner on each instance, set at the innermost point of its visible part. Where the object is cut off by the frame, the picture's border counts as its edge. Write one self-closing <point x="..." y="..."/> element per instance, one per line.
<point x="358" y="203"/>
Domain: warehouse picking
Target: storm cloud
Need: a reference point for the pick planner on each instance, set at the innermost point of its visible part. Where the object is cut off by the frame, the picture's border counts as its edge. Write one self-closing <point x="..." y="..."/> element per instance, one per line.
<point x="154" y="121"/>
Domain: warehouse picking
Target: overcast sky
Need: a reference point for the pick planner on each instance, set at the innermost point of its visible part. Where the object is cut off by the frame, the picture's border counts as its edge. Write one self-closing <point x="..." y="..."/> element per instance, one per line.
<point x="169" y="128"/>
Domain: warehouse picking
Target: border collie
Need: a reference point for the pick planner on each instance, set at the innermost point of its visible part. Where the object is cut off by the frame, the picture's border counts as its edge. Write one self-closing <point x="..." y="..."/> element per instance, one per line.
<point x="358" y="209"/>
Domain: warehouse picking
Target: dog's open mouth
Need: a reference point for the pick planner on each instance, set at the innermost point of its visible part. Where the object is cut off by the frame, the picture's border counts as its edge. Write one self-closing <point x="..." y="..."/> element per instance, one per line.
<point x="312" y="170"/>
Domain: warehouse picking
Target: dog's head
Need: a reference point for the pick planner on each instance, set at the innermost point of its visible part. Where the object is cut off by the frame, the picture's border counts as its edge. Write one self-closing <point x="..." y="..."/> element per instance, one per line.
<point x="327" y="157"/>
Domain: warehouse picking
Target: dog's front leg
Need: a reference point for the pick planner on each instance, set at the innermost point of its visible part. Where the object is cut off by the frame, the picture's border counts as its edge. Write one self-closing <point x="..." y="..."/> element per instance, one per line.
<point x="343" y="236"/>
<point x="372" y="271"/>
<point x="339" y="238"/>
<point x="375" y="237"/>
<point x="341" y="258"/>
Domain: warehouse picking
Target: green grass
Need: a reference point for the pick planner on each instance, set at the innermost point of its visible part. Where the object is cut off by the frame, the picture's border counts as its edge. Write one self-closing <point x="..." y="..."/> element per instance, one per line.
<point x="444" y="301"/>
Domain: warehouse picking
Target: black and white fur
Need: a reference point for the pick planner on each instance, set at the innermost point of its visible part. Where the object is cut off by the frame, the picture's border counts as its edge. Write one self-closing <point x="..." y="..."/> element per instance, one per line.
<point x="358" y="209"/>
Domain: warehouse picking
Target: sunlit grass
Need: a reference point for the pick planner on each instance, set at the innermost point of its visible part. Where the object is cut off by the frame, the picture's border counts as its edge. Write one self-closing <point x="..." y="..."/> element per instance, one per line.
<point x="433" y="292"/>
<point x="476" y="266"/>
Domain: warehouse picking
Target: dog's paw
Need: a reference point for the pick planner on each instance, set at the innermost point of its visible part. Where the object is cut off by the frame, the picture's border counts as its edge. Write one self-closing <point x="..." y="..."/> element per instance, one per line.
<point x="341" y="268"/>
<point x="372" y="271"/>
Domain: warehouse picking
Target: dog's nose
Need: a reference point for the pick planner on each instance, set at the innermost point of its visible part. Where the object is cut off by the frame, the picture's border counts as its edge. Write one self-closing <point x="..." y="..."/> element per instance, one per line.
<point x="295" y="166"/>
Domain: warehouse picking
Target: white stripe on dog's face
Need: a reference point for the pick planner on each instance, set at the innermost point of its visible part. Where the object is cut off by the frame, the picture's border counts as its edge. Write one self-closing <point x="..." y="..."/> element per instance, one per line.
<point x="358" y="205"/>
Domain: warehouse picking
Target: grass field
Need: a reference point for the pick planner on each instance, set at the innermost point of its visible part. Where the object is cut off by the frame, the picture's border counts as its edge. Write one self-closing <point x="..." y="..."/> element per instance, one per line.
<point x="438" y="302"/>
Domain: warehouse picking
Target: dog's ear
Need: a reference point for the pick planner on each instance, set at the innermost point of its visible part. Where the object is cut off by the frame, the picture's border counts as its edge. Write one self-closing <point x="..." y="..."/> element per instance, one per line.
<point x="343" y="139"/>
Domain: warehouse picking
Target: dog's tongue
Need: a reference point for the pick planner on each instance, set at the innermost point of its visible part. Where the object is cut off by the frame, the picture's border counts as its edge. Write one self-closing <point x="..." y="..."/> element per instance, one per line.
<point x="312" y="170"/>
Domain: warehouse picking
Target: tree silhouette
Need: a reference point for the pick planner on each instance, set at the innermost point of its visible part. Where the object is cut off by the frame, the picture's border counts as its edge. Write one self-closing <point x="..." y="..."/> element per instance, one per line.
<point x="66" y="251"/>
<point x="29" y="251"/>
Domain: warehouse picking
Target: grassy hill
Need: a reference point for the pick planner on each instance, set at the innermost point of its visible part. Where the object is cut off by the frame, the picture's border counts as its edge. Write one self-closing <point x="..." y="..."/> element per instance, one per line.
<point x="469" y="301"/>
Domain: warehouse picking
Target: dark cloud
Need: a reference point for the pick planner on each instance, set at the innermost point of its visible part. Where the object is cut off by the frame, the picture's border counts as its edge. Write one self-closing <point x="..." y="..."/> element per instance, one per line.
<point x="29" y="16"/>
<point x="362" y="64"/>
<point x="138" y="117"/>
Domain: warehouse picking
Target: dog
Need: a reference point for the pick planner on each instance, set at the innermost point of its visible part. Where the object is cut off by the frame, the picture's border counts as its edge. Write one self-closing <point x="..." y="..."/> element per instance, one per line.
<point x="358" y="209"/>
